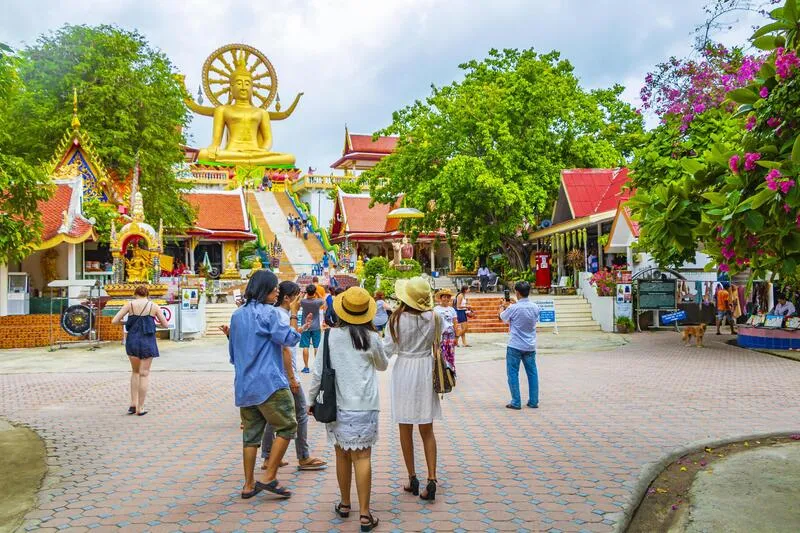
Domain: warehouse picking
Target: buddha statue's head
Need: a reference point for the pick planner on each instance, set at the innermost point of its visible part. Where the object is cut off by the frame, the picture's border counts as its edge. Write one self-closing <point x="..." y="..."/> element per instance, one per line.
<point x="241" y="81"/>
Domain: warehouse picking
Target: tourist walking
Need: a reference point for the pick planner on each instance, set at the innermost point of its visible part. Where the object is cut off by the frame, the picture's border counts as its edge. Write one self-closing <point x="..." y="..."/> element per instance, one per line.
<point x="449" y="320"/>
<point x="381" y="313"/>
<point x="311" y="306"/>
<point x="355" y="351"/>
<point x="411" y="337"/>
<point x="724" y="314"/>
<point x="288" y="291"/>
<point x="521" y="317"/>
<point x="256" y="337"/>
<point x="462" y="311"/>
<point x="140" y="343"/>
<point x="290" y="220"/>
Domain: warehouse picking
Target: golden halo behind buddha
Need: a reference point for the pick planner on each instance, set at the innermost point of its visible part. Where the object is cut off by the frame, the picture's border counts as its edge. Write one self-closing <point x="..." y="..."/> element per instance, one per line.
<point x="233" y="60"/>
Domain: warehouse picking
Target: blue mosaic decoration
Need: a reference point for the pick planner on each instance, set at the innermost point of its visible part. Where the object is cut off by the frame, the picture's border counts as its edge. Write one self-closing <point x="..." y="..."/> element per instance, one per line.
<point x="91" y="188"/>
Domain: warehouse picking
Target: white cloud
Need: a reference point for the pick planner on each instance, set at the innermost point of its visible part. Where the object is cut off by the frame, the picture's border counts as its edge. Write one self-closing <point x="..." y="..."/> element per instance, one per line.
<point x="358" y="60"/>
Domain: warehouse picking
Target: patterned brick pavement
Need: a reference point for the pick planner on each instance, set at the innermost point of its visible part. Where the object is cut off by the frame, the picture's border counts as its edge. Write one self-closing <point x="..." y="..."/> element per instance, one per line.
<point x="568" y="466"/>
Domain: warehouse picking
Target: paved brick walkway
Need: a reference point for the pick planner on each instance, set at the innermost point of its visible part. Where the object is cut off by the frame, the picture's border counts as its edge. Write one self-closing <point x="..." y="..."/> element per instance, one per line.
<point x="568" y="466"/>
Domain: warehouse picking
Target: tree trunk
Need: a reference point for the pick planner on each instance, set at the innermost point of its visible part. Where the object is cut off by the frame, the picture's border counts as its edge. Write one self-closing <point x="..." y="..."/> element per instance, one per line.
<point x="515" y="252"/>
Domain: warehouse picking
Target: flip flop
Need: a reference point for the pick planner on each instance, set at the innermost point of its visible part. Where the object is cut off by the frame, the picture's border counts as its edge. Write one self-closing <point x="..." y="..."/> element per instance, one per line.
<point x="248" y="495"/>
<point x="142" y="413"/>
<point x="313" y="464"/>
<point x="131" y="410"/>
<point x="273" y="487"/>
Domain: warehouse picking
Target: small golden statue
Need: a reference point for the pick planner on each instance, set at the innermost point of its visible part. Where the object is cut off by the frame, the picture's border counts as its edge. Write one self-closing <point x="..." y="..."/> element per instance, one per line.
<point x="257" y="265"/>
<point x="246" y="126"/>
<point x="137" y="267"/>
<point x="49" y="264"/>
<point x="459" y="265"/>
<point x="359" y="266"/>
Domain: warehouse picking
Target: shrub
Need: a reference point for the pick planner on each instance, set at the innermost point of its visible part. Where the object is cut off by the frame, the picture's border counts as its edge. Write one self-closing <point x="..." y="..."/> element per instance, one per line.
<point x="604" y="282"/>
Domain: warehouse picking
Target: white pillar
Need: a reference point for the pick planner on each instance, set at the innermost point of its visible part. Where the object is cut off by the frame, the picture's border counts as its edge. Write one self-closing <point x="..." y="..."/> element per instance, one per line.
<point x="433" y="259"/>
<point x="600" y="250"/>
<point x="3" y="289"/>
<point x="72" y="259"/>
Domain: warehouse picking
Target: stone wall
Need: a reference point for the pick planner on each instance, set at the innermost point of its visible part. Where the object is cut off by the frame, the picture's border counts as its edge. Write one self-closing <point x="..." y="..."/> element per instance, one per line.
<point x="28" y="331"/>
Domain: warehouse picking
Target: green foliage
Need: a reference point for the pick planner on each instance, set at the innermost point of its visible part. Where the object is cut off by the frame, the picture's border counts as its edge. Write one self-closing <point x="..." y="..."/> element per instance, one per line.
<point x="22" y="187"/>
<point x="347" y="187"/>
<point x="482" y="156"/>
<point x="380" y="266"/>
<point x="129" y="103"/>
<point x="623" y="322"/>
<point x="103" y="215"/>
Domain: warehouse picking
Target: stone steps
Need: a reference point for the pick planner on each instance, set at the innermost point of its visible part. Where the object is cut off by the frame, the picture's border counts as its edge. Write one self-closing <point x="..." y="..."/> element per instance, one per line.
<point x="572" y="313"/>
<point x="218" y="315"/>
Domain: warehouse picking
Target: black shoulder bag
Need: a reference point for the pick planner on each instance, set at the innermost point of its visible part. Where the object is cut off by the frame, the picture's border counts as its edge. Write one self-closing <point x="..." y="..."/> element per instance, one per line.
<point x="325" y="402"/>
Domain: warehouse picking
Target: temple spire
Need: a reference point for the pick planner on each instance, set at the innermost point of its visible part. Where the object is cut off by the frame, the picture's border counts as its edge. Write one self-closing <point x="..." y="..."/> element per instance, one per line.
<point x="75" y="122"/>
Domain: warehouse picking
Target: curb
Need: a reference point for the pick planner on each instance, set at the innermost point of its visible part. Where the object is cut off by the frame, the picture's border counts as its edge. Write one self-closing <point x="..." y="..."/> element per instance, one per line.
<point x="650" y="471"/>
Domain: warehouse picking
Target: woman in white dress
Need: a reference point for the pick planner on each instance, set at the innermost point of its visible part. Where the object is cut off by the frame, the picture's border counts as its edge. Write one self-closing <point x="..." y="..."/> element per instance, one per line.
<point x="411" y="337"/>
<point x="356" y="352"/>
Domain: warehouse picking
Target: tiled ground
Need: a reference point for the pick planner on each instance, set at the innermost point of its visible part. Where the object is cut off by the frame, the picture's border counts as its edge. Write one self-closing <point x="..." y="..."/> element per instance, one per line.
<point x="568" y="466"/>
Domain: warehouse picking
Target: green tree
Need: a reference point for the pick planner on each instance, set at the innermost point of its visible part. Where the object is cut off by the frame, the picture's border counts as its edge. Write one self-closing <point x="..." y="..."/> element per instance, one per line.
<point x="347" y="187"/>
<point x="482" y="156"/>
<point x="130" y="103"/>
<point x="22" y="185"/>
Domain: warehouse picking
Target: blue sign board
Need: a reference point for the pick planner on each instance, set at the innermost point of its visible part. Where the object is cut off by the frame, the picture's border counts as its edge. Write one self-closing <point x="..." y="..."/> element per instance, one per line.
<point x="677" y="316"/>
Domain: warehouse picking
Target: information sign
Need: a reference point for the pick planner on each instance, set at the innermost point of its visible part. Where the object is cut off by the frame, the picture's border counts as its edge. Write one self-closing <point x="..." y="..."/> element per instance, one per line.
<point x="677" y="316"/>
<point x="657" y="295"/>
<point x="547" y="311"/>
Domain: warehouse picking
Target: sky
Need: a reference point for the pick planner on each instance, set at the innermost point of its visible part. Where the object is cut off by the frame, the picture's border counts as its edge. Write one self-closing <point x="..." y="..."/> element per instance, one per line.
<point x="357" y="61"/>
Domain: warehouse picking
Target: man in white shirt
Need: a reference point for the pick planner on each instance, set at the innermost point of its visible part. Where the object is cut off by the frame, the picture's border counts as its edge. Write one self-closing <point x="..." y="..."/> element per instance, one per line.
<point x="483" y="275"/>
<point x="784" y="307"/>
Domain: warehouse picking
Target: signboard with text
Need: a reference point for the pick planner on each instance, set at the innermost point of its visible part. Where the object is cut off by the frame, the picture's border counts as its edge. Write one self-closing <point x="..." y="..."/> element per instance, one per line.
<point x="547" y="311"/>
<point x="657" y="295"/>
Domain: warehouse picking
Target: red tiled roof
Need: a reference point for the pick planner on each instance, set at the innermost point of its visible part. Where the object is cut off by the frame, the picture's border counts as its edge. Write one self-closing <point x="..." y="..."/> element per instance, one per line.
<point x="594" y="190"/>
<point x="364" y="143"/>
<point x="361" y="218"/>
<point x="52" y="210"/>
<point x="218" y="211"/>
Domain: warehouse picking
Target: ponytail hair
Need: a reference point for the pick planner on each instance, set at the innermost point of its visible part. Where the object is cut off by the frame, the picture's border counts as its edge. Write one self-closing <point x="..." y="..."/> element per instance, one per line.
<point x="286" y="289"/>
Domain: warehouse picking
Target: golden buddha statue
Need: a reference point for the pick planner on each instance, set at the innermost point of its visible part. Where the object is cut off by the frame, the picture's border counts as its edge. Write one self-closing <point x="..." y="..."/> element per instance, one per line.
<point x="459" y="265"/>
<point x="359" y="266"/>
<point x="137" y="266"/>
<point x="245" y="127"/>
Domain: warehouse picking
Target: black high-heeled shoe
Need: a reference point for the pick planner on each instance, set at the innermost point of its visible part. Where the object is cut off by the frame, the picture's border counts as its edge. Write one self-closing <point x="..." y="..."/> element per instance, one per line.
<point x="430" y="491"/>
<point x="413" y="487"/>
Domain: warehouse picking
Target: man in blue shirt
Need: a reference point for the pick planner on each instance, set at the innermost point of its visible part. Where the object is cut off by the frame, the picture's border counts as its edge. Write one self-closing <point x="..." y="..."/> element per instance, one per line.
<point x="521" y="318"/>
<point x="255" y="342"/>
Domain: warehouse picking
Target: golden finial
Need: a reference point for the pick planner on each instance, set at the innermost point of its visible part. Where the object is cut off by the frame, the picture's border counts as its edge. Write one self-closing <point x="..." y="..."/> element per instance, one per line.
<point x="75" y="122"/>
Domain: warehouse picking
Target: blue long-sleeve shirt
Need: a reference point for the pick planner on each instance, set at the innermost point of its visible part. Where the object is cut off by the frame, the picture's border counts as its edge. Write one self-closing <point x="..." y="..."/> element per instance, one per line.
<point x="255" y="343"/>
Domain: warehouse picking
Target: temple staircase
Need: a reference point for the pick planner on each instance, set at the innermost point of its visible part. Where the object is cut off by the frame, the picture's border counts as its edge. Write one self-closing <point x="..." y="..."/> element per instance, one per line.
<point x="218" y="315"/>
<point x="297" y="252"/>
<point x="573" y="313"/>
<point x="285" y="271"/>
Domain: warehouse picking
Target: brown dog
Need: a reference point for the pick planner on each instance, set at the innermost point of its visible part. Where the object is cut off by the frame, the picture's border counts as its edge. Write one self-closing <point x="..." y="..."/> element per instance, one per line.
<point x="694" y="331"/>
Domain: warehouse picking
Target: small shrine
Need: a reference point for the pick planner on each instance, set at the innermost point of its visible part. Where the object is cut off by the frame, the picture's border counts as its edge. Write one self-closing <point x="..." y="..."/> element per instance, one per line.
<point x="136" y="250"/>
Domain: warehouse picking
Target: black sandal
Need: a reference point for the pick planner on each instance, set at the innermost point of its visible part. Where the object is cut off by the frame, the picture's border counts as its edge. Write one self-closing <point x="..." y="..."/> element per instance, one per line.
<point x="273" y="487"/>
<point x="413" y="487"/>
<point x="132" y="410"/>
<point x="338" y="510"/>
<point x="430" y="491"/>
<point x="141" y="413"/>
<point x="372" y="524"/>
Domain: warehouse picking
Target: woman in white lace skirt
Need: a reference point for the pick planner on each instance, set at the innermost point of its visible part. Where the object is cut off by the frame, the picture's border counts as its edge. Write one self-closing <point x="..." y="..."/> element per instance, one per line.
<point x="411" y="337"/>
<point x="356" y="352"/>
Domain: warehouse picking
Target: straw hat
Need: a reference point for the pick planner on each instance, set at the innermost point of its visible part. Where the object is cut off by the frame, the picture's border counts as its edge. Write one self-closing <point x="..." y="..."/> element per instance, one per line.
<point x="355" y="306"/>
<point x="444" y="292"/>
<point x="414" y="292"/>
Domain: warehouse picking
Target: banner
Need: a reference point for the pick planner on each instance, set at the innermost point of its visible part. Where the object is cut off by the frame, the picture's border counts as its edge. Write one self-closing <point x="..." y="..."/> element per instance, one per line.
<point x="623" y="303"/>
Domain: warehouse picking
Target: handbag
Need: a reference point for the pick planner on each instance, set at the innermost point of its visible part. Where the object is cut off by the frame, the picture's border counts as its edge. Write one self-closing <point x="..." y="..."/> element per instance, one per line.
<point x="324" y="408"/>
<point x="444" y="379"/>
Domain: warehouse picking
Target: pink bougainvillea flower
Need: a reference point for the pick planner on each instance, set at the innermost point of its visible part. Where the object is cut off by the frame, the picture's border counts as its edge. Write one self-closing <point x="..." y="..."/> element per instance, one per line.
<point x="786" y="208"/>
<point x="795" y="437"/>
<point x="786" y="62"/>
<point x="751" y="123"/>
<point x="773" y="122"/>
<point x="786" y="186"/>
<point x="733" y="163"/>
<point x="750" y="159"/>
<point x="723" y="267"/>
<point x="764" y="92"/>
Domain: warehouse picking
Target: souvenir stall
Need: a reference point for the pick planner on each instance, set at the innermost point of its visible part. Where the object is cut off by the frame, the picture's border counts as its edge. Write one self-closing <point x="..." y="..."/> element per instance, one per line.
<point x="773" y="322"/>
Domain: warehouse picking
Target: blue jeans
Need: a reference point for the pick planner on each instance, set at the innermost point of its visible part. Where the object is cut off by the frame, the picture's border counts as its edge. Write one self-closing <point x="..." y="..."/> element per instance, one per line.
<point x="513" y="358"/>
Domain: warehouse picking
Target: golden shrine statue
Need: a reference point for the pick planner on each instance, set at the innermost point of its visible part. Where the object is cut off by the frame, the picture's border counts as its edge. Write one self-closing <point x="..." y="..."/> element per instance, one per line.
<point x="359" y="266"/>
<point x="138" y="266"/>
<point x="245" y="73"/>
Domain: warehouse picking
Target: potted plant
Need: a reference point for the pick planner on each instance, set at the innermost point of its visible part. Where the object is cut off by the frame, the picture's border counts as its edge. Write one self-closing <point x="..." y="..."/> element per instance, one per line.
<point x="624" y="324"/>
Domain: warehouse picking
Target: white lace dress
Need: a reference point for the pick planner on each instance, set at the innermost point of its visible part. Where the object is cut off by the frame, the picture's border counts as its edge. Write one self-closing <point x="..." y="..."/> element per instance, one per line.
<point x="413" y="399"/>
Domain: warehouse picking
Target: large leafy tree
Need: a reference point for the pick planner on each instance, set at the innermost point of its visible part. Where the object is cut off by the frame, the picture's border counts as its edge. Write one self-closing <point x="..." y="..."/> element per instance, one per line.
<point x="482" y="156"/>
<point x="21" y="185"/>
<point x="130" y="104"/>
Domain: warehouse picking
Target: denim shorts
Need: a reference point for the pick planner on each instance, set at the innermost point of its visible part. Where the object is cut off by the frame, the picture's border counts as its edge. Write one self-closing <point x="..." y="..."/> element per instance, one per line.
<point x="278" y="410"/>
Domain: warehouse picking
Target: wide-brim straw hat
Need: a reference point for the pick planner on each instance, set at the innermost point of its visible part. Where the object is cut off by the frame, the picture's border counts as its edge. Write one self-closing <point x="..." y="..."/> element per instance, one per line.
<point x="355" y="306"/>
<point x="444" y="292"/>
<point x="415" y="293"/>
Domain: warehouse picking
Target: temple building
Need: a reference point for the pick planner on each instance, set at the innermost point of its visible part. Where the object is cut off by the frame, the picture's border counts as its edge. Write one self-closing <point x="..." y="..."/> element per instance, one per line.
<point x="364" y="231"/>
